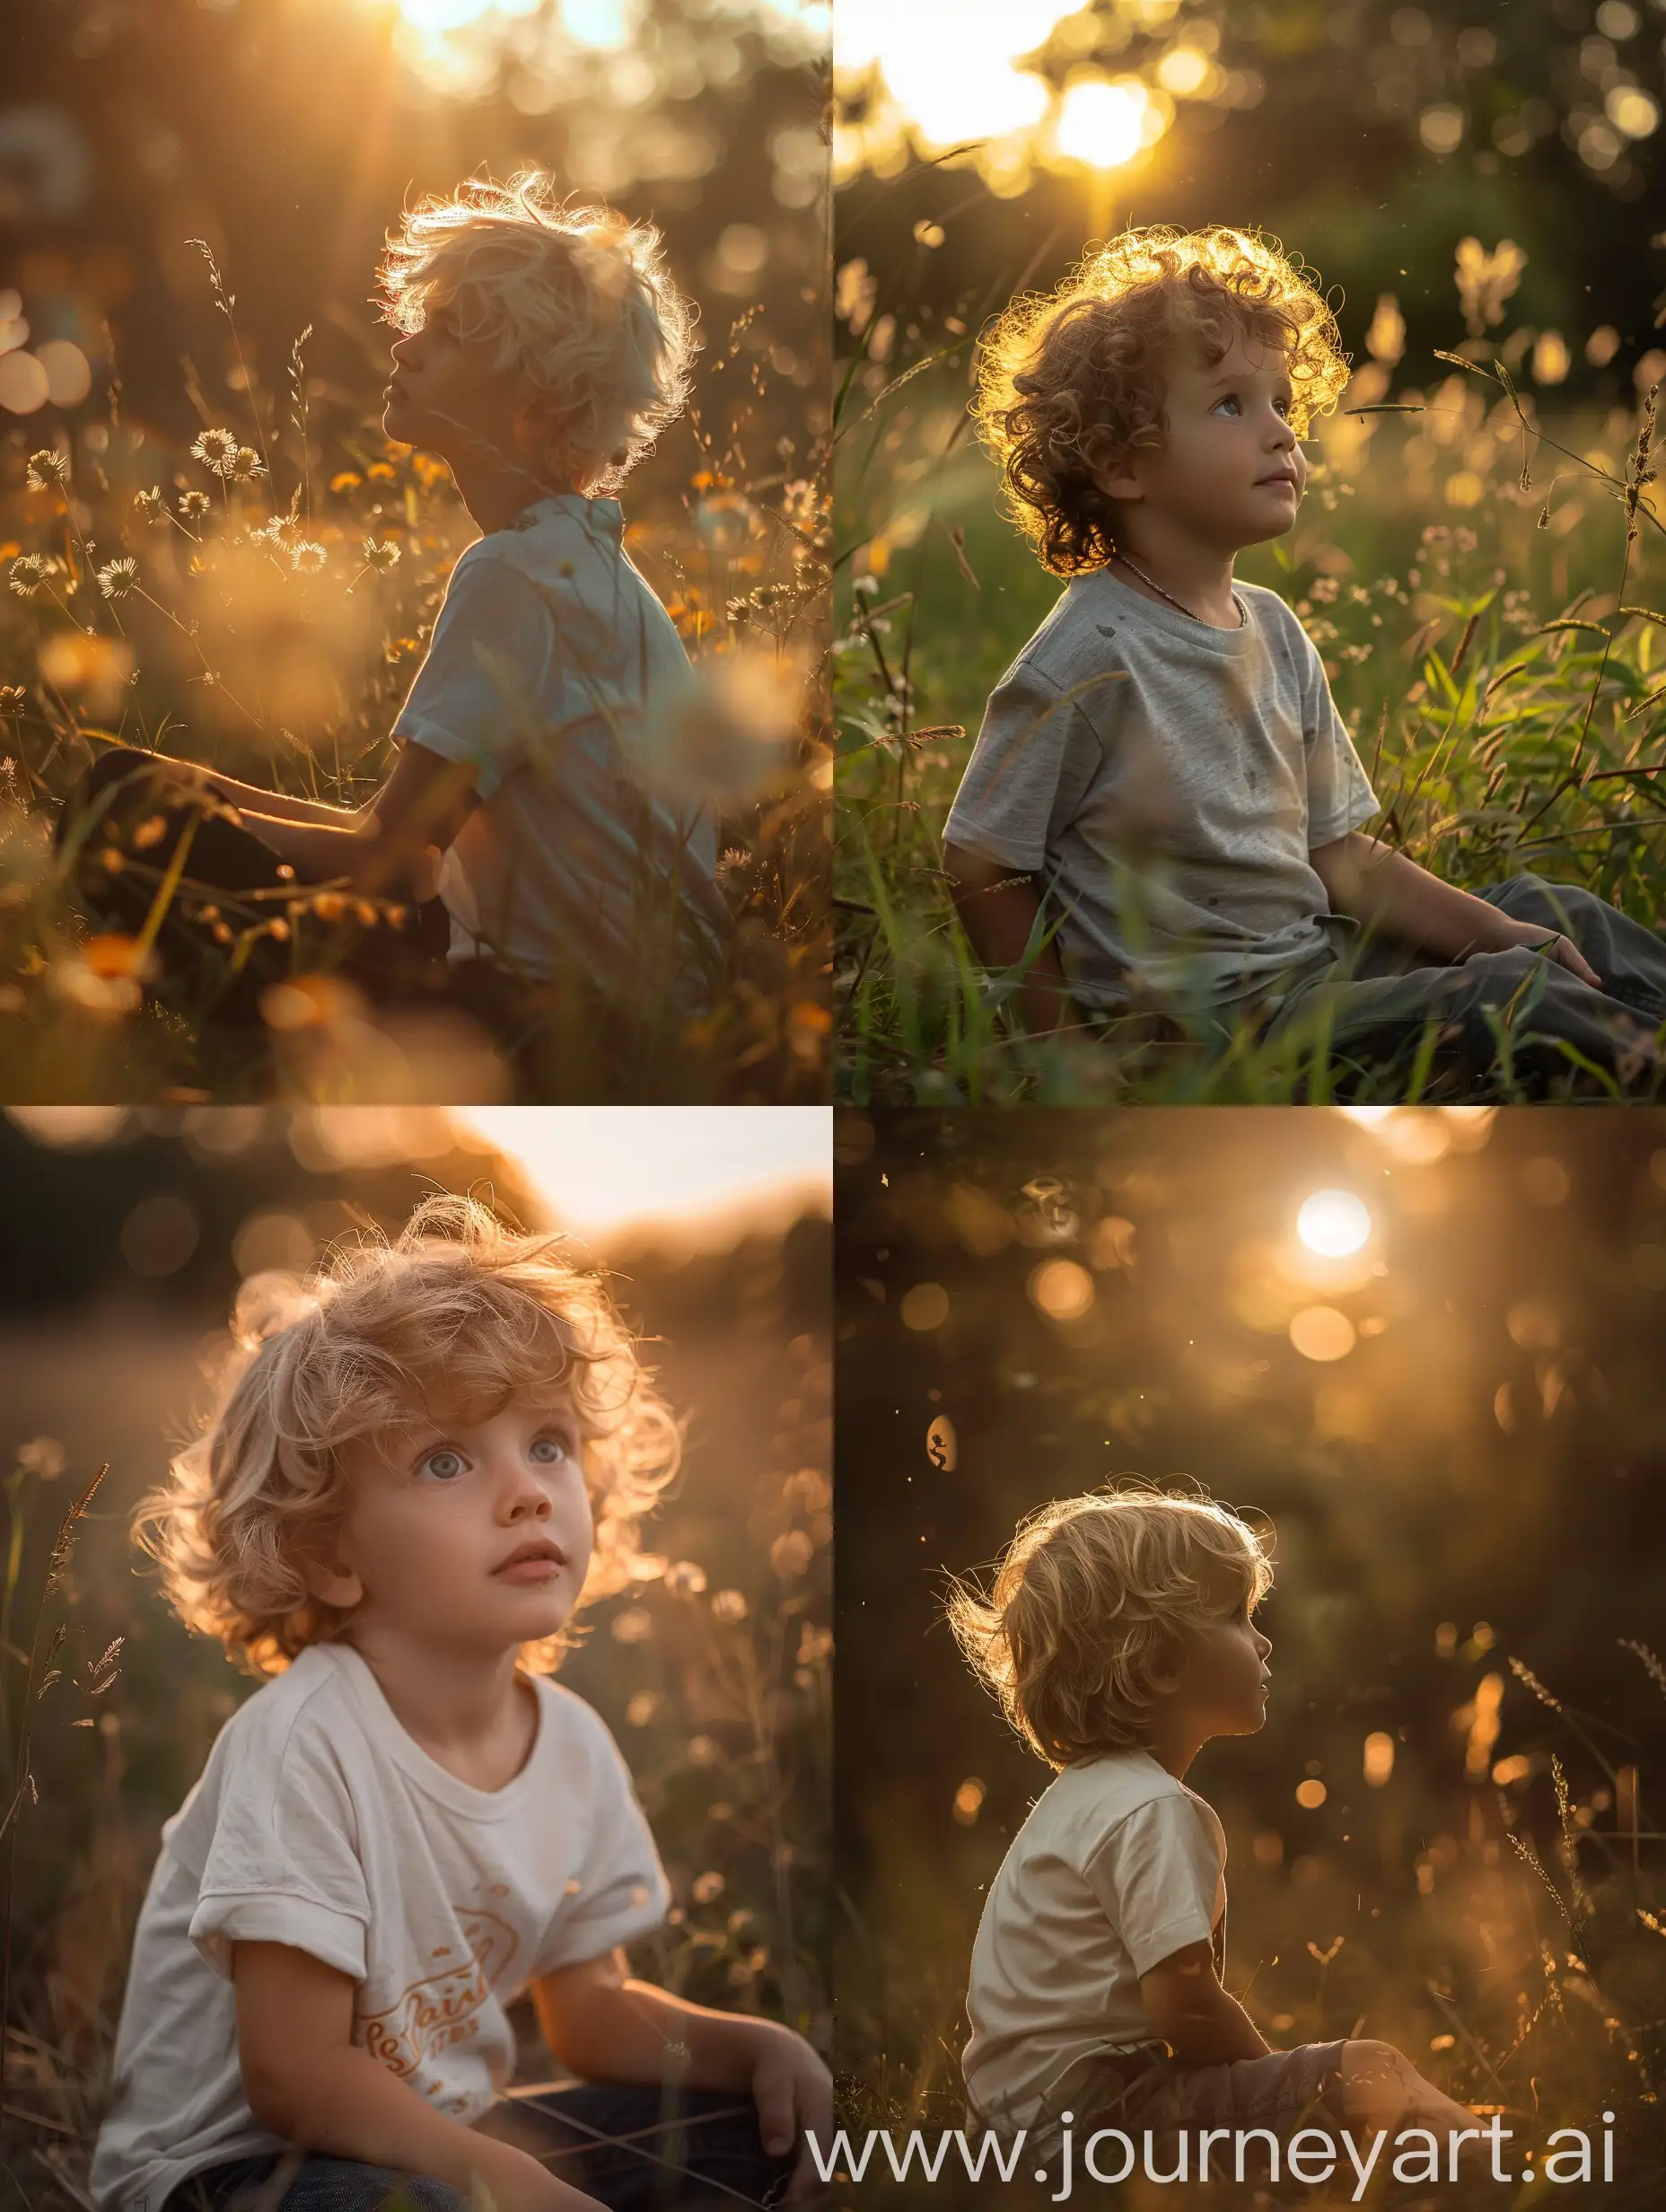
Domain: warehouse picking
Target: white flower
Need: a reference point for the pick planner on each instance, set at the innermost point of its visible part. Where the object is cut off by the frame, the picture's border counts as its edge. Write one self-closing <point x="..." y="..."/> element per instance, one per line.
<point x="117" y="578"/>
<point x="216" y="450"/>
<point x="47" y="467"/>
<point x="28" y="572"/>
<point x="305" y="557"/>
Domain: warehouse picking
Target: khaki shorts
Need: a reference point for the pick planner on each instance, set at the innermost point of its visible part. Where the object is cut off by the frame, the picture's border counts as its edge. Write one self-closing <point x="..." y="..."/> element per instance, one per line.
<point x="1281" y="2092"/>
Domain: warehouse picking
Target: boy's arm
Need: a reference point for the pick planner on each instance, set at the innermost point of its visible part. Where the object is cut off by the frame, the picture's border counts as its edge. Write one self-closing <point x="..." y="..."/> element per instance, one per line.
<point x="379" y="848"/>
<point x="608" y="2027"/>
<point x="1187" y="2007"/>
<point x="998" y="907"/>
<point x="305" y="2079"/>
<point x="1374" y="884"/>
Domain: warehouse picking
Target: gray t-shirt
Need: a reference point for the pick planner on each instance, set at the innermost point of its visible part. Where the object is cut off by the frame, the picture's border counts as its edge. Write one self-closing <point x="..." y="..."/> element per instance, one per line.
<point x="1167" y="780"/>
<point x="556" y="675"/>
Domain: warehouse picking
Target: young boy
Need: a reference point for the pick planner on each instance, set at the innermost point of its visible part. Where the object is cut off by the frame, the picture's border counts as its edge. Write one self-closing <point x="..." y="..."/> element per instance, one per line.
<point x="1118" y="1638"/>
<point x="544" y="346"/>
<point x="434" y="1456"/>
<point x="1161" y="779"/>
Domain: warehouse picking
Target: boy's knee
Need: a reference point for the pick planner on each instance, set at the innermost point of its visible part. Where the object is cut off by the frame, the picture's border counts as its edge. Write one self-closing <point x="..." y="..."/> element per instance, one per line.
<point x="420" y="2192"/>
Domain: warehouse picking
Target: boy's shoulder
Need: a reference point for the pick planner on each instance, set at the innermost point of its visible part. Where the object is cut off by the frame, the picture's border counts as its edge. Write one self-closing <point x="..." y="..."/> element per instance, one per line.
<point x="574" y="1720"/>
<point x="1091" y="1797"/>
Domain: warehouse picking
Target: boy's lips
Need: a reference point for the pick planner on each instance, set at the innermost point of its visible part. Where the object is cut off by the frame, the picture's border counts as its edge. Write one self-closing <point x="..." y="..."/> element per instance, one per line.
<point x="534" y="1561"/>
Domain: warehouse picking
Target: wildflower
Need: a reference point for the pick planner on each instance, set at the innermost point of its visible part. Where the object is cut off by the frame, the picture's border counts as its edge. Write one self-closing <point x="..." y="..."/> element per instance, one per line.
<point x="47" y="467"/>
<point x="117" y="578"/>
<point x="246" y="463"/>
<point x="1485" y="280"/>
<point x="730" y="1605"/>
<point x="305" y="557"/>
<point x="28" y="572"/>
<point x="151" y="505"/>
<point x="43" y="1457"/>
<point x="218" y="450"/>
<point x="193" y="506"/>
<point x="382" y="553"/>
<point x="12" y="697"/>
<point x="348" y="480"/>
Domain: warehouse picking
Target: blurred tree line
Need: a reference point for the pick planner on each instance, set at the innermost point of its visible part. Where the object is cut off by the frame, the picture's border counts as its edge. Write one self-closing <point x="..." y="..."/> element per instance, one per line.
<point x="1370" y="135"/>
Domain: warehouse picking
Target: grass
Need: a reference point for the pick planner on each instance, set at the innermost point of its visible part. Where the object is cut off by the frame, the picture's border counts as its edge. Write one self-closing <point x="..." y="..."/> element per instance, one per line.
<point x="263" y="607"/>
<point x="1480" y="576"/>
<point x="714" y="1671"/>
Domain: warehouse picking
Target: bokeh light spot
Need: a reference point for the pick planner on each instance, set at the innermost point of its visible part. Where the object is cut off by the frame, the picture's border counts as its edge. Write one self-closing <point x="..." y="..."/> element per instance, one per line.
<point x="1319" y="1332"/>
<point x="925" y="1307"/>
<point x="1062" y="1290"/>
<point x="1334" y="1224"/>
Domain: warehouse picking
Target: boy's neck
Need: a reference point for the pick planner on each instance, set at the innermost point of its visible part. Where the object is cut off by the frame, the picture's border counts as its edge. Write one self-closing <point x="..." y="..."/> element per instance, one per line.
<point x="495" y="491"/>
<point x="466" y="1709"/>
<point x="1199" y="578"/>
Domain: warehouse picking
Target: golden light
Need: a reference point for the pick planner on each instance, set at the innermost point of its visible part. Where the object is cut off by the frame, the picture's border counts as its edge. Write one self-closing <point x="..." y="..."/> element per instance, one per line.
<point x="969" y="1801"/>
<point x="1105" y="124"/>
<point x="1063" y="1290"/>
<point x="1379" y="1758"/>
<point x="701" y="1172"/>
<point x="1322" y="1333"/>
<point x="1311" y="1795"/>
<point x="1333" y="1224"/>
<point x="924" y="1308"/>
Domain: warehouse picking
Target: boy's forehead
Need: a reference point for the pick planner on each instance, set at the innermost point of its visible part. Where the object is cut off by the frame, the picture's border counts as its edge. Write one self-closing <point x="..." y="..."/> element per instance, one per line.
<point x="1245" y="354"/>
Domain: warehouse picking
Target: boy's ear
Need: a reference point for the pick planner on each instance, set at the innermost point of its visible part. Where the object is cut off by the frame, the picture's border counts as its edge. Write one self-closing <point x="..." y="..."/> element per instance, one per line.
<point x="1119" y="479"/>
<point x="332" y="1582"/>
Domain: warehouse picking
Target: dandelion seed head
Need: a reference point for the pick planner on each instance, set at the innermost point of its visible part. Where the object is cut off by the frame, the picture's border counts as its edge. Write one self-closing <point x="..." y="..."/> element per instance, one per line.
<point x="306" y="557"/>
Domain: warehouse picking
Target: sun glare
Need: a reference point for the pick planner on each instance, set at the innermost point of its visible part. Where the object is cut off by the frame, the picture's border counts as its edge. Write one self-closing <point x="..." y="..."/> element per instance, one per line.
<point x="1333" y="1224"/>
<point x="1103" y="124"/>
<point x="694" y="1168"/>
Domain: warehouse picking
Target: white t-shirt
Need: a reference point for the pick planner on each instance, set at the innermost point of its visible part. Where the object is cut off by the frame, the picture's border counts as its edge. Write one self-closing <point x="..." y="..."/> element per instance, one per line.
<point x="556" y="674"/>
<point x="319" y="1823"/>
<point x="1168" y="780"/>
<point x="1117" y="1867"/>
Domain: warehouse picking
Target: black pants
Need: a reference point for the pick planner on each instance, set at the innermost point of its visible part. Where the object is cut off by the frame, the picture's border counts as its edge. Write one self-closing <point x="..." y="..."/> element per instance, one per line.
<point x="1512" y="1006"/>
<point x="234" y="925"/>
<point x="635" y="2150"/>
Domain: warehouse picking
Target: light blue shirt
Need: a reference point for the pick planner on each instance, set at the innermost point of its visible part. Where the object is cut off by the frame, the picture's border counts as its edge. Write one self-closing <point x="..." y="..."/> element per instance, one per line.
<point x="556" y="675"/>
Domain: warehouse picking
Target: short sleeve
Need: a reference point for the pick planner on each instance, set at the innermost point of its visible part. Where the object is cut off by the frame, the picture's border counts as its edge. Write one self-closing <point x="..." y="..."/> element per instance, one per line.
<point x="1035" y="756"/>
<point x="1339" y="796"/>
<point x="1157" y="1874"/>
<point x="281" y="1865"/>
<point x="618" y="1890"/>
<point x="488" y="662"/>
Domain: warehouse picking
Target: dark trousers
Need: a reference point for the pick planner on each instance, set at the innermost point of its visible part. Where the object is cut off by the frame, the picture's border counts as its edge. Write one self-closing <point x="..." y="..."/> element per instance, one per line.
<point x="215" y="948"/>
<point x="1496" y="1009"/>
<point x="635" y="2150"/>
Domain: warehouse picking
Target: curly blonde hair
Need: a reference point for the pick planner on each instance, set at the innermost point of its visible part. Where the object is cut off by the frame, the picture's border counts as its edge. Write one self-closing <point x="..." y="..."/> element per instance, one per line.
<point x="1072" y="381"/>
<point x="1092" y="1597"/>
<point x="460" y="1315"/>
<point x="576" y="297"/>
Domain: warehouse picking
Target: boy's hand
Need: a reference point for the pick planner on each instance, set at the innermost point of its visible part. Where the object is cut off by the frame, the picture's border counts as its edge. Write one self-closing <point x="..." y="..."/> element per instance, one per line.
<point x="794" y="2094"/>
<point x="1567" y="954"/>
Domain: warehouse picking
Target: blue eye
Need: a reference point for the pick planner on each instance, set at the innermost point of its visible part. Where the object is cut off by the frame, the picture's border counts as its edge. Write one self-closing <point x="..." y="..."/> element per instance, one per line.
<point x="550" y="1451"/>
<point x="444" y="1465"/>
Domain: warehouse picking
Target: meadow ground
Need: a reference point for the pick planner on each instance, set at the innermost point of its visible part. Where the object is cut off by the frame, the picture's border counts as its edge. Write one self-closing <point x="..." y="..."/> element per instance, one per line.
<point x="1482" y="575"/>
<point x="263" y="607"/>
